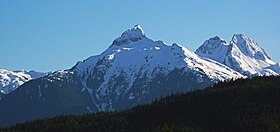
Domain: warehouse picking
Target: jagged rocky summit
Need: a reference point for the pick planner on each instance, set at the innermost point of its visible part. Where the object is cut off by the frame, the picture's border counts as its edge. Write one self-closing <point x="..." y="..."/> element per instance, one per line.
<point x="242" y="54"/>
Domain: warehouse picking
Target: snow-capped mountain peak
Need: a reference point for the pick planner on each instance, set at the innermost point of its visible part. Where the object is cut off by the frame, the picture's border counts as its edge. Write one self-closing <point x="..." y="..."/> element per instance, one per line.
<point x="249" y="47"/>
<point x="138" y="63"/>
<point x="10" y="80"/>
<point x="214" y="48"/>
<point x="131" y="35"/>
<point x="243" y="55"/>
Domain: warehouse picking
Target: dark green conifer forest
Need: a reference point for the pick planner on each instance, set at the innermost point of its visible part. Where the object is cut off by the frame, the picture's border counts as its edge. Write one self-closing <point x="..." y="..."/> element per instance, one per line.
<point x="249" y="105"/>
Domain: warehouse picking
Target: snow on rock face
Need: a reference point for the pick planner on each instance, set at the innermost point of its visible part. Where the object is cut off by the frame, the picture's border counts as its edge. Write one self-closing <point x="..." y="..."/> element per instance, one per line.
<point x="243" y="55"/>
<point x="131" y="35"/>
<point x="134" y="55"/>
<point x="212" y="69"/>
<point x="215" y="48"/>
<point x="249" y="47"/>
<point x="10" y="80"/>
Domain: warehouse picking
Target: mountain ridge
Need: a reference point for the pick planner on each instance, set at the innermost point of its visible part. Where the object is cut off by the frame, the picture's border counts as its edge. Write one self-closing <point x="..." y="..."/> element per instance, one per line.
<point x="223" y="52"/>
<point x="242" y="54"/>
<point x="10" y="80"/>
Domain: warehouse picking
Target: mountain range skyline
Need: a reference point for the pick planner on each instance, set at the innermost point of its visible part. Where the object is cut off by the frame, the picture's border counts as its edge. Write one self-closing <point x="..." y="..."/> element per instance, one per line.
<point x="240" y="56"/>
<point x="216" y="36"/>
<point x="53" y="31"/>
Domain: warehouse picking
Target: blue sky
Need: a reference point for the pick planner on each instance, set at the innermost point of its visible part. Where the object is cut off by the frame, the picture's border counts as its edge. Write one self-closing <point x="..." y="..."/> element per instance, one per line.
<point x="47" y="35"/>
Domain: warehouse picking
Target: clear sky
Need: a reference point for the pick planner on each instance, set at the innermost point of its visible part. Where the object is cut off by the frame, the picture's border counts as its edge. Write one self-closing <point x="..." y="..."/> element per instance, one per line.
<point x="47" y="35"/>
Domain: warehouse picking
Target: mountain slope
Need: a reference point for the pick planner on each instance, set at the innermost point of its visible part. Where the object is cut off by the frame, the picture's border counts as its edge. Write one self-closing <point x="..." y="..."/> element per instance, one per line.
<point x="133" y="70"/>
<point x="10" y="80"/>
<point x="247" y="105"/>
<point x="137" y="62"/>
<point x="243" y="55"/>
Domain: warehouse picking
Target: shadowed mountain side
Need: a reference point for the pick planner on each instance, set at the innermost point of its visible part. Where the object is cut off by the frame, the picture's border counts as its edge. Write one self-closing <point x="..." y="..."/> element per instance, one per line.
<point x="243" y="105"/>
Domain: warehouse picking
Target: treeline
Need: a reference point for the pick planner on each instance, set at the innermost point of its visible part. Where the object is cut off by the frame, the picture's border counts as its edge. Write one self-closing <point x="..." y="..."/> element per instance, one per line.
<point x="241" y="105"/>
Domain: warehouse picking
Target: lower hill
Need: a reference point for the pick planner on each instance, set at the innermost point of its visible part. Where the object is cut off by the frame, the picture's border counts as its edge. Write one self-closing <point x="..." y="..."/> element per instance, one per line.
<point x="241" y="105"/>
